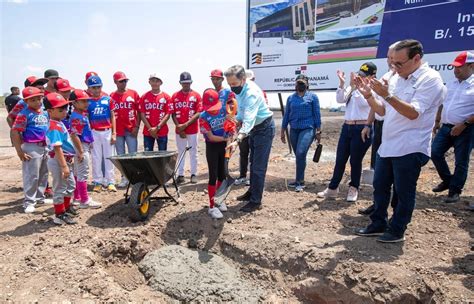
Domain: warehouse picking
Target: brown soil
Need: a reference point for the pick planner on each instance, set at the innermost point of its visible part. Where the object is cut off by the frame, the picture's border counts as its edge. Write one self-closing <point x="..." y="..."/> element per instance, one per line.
<point x="297" y="248"/>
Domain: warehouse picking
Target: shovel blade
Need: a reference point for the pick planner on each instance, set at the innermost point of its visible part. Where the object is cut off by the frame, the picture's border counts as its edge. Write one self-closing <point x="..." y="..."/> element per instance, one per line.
<point x="223" y="191"/>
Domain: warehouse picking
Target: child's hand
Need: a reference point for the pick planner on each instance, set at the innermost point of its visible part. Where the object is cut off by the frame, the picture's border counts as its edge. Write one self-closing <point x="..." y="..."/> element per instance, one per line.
<point x="113" y="139"/>
<point x="23" y="156"/>
<point x="65" y="172"/>
<point x="80" y="156"/>
<point x="153" y="132"/>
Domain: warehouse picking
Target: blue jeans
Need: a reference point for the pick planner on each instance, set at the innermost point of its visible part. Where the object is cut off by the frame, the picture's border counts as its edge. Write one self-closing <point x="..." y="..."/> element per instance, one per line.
<point x="350" y="144"/>
<point x="403" y="173"/>
<point x="128" y="139"/>
<point x="260" y="141"/>
<point x="462" y="151"/>
<point x="161" y="141"/>
<point x="301" y="140"/>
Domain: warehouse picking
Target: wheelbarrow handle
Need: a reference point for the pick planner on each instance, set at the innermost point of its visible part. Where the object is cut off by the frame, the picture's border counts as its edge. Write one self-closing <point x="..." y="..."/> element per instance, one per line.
<point x="181" y="159"/>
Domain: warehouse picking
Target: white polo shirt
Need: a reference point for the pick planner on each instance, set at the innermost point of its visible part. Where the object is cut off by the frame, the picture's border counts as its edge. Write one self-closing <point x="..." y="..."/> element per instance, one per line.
<point x="425" y="91"/>
<point x="357" y="108"/>
<point x="459" y="103"/>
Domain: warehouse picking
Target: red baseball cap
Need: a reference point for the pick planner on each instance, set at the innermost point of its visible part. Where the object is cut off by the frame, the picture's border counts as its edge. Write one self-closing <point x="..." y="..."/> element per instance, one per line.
<point x="89" y="74"/>
<point x="78" y="94"/>
<point x="30" y="92"/>
<point x="119" y="76"/>
<point x="54" y="100"/>
<point x="217" y="73"/>
<point x="210" y="101"/>
<point x="463" y="58"/>
<point x="63" y="85"/>
<point x="33" y="81"/>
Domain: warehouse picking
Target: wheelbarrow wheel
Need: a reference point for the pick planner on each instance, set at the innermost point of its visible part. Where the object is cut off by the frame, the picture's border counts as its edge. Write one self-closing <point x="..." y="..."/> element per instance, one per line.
<point x="139" y="207"/>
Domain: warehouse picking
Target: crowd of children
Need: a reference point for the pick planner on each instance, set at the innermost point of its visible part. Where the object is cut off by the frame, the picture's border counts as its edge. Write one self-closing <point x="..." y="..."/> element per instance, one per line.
<point x="58" y="130"/>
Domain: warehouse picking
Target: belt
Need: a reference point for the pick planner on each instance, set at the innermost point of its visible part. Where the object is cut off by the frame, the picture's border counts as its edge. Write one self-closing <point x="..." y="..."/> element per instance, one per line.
<point x="68" y="158"/>
<point x="39" y="143"/>
<point x="355" y="122"/>
<point x="263" y="124"/>
<point x="100" y="130"/>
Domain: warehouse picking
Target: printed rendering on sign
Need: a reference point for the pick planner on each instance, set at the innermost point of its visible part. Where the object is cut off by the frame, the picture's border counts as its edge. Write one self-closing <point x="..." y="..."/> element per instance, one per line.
<point x="318" y="37"/>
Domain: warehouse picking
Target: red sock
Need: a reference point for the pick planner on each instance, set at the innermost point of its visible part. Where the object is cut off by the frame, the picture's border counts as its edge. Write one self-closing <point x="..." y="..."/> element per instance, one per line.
<point x="211" y="189"/>
<point x="218" y="184"/>
<point x="67" y="202"/>
<point x="59" y="208"/>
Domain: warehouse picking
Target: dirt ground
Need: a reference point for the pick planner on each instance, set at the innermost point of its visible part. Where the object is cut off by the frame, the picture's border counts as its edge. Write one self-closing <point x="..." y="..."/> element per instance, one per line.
<point x="297" y="248"/>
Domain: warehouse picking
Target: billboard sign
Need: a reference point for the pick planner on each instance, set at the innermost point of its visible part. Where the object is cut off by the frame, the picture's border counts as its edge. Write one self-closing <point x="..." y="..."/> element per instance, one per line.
<point x="318" y="37"/>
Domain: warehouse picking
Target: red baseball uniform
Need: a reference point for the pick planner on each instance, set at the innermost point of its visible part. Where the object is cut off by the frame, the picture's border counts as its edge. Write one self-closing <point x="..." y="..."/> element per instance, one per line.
<point x="125" y="106"/>
<point x="155" y="107"/>
<point x="185" y="105"/>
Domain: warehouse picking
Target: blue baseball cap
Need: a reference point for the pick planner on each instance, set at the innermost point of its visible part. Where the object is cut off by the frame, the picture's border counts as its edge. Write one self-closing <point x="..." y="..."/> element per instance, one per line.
<point x="94" y="81"/>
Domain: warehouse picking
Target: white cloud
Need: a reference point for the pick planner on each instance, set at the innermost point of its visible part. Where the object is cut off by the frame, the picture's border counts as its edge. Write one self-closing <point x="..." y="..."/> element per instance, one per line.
<point x="151" y="50"/>
<point x="17" y="1"/>
<point x="32" y="45"/>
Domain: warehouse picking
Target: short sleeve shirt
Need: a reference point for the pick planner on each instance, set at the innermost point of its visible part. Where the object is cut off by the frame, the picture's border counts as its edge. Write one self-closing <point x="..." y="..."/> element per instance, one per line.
<point x="79" y="125"/>
<point x="32" y="125"/>
<point x="155" y="107"/>
<point x="184" y="106"/>
<point x="99" y="113"/>
<point x="58" y="135"/>
<point x="125" y="107"/>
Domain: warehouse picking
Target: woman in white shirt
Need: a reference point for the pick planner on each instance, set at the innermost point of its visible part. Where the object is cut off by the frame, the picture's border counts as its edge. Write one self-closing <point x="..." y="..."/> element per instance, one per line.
<point x="351" y="144"/>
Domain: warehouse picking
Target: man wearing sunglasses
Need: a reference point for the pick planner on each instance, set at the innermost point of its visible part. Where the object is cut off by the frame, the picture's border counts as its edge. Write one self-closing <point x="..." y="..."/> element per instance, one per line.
<point x="409" y="108"/>
<point x="125" y="105"/>
<point x="456" y="115"/>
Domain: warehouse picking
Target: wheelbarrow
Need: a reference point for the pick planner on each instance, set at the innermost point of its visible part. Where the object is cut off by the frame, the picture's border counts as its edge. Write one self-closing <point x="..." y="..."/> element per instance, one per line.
<point x="147" y="172"/>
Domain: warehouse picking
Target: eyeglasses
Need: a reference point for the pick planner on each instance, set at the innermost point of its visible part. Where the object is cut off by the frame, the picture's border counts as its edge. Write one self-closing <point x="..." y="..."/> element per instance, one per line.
<point x="400" y="64"/>
<point x="123" y="81"/>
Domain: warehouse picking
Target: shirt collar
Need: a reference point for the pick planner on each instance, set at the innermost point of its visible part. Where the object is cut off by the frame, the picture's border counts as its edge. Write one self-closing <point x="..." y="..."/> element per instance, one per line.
<point x="419" y="71"/>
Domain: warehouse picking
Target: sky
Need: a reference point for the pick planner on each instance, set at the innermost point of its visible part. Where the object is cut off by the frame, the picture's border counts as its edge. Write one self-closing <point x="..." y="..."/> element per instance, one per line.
<point x="137" y="37"/>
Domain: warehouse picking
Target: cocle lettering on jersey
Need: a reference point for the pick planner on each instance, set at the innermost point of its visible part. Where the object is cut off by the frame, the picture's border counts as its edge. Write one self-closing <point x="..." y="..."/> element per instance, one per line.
<point x="154" y="106"/>
<point x="124" y="105"/>
<point x="184" y="104"/>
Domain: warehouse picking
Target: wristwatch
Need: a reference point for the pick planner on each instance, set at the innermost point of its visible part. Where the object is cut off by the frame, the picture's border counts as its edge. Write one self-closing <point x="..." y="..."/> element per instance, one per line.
<point x="388" y="97"/>
<point x="467" y="123"/>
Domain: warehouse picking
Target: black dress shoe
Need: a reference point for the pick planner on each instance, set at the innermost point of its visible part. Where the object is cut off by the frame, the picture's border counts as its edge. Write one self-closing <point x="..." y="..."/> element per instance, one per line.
<point x="251" y="207"/>
<point x="370" y="231"/>
<point x="441" y="187"/>
<point x="452" y="198"/>
<point x="244" y="197"/>
<point x="368" y="210"/>
<point x="388" y="237"/>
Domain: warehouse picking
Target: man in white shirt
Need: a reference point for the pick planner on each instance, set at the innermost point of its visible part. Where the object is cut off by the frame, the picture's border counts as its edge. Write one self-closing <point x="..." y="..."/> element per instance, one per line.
<point x="409" y="108"/>
<point x="457" y="118"/>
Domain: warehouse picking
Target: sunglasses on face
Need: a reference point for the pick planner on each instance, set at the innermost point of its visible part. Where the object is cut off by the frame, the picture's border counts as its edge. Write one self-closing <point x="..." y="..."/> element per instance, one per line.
<point x="123" y="81"/>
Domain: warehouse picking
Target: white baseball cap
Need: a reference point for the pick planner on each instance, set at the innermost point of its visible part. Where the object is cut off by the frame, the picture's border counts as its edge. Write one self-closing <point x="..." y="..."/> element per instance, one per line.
<point x="155" y="75"/>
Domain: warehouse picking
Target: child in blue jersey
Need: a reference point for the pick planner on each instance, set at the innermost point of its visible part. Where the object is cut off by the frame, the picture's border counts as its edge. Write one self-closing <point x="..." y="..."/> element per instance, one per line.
<point x="28" y="137"/>
<point x="211" y="123"/>
<point x="61" y="159"/>
<point x="102" y="122"/>
<point x="81" y="135"/>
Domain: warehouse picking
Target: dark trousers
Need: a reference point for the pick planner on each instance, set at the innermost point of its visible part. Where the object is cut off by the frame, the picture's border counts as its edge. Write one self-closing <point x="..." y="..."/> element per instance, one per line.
<point x="462" y="144"/>
<point x="376" y="141"/>
<point x="350" y="145"/>
<point x="215" y="156"/>
<point x="244" y="156"/>
<point x="401" y="172"/>
<point x="149" y="143"/>
<point x="260" y="142"/>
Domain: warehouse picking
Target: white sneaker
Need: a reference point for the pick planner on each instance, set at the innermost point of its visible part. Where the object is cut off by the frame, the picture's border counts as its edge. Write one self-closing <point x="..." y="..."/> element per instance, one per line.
<point x="240" y="181"/>
<point x="299" y="188"/>
<point x="352" y="194"/>
<point x="30" y="209"/>
<point x="123" y="183"/>
<point x="222" y="207"/>
<point x="328" y="193"/>
<point x="76" y="202"/>
<point x="215" y="213"/>
<point x="46" y="201"/>
<point x="90" y="204"/>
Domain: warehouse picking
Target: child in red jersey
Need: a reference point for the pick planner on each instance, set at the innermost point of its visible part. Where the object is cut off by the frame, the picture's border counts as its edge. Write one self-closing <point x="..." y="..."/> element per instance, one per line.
<point x="155" y="110"/>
